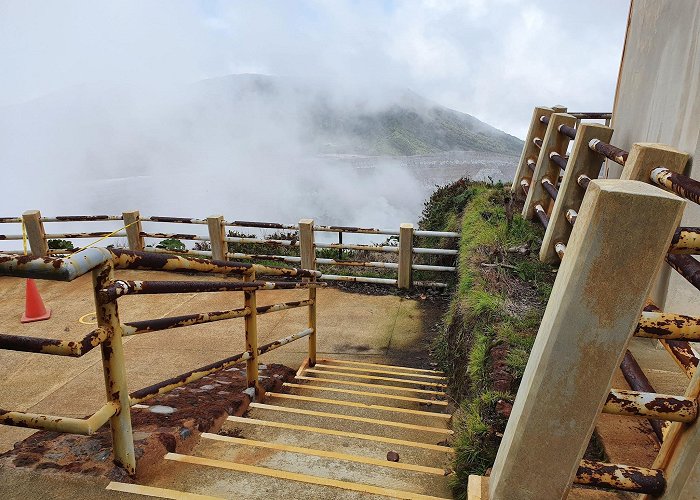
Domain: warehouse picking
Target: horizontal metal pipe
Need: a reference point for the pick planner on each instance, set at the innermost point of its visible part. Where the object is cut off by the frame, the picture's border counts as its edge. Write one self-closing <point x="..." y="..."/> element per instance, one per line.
<point x="279" y="258"/>
<point x="286" y="340"/>
<point x="651" y="405"/>
<point x="263" y="225"/>
<point x="356" y="263"/>
<point x="80" y="218"/>
<point x="558" y="159"/>
<point x="542" y="215"/>
<point x="435" y="251"/>
<point x="284" y="305"/>
<point x="592" y="116"/>
<point x="686" y="240"/>
<point x="53" y="268"/>
<point x="681" y="351"/>
<point x="583" y="180"/>
<point x="544" y="119"/>
<point x="199" y="253"/>
<point x="569" y="132"/>
<point x="687" y="266"/>
<point x="658" y="325"/>
<point x="85" y="426"/>
<point x="429" y="284"/>
<point x="422" y="267"/>
<point x="367" y="248"/>
<point x="259" y="241"/>
<point x="176" y="236"/>
<point x="120" y="288"/>
<point x="549" y="187"/>
<point x="353" y="229"/>
<point x="359" y="279"/>
<point x="638" y="381"/>
<point x="168" y="385"/>
<point x="4" y="220"/>
<point x="178" y="220"/>
<point x="571" y="216"/>
<point x="560" y="248"/>
<point x="10" y="237"/>
<point x="609" y="151"/>
<point x="621" y="477"/>
<point x="525" y="185"/>
<point x="680" y="184"/>
<point x="436" y="234"/>
<point x="56" y="347"/>
<point x="98" y="234"/>
<point x="538" y="142"/>
<point x="154" y="325"/>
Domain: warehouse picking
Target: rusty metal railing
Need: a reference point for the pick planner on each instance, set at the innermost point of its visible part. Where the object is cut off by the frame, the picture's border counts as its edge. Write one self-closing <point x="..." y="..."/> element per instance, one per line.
<point x="219" y="241"/>
<point x="107" y="290"/>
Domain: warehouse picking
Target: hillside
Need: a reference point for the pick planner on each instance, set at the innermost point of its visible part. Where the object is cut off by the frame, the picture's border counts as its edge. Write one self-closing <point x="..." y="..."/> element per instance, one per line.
<point x="374" y="121"/>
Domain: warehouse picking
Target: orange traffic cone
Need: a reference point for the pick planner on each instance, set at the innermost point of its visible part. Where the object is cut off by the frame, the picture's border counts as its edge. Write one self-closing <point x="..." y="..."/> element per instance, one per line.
<point x="34" y="309"/>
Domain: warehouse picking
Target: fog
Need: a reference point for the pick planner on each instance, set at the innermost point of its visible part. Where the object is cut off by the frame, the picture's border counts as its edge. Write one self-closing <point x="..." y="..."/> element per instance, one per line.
<point x="106" y="107"/>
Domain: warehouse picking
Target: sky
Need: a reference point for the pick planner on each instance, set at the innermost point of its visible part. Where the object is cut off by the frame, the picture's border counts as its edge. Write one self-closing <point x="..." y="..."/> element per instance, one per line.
<point x="98" y="113"/>
<point x="494" y="59"/>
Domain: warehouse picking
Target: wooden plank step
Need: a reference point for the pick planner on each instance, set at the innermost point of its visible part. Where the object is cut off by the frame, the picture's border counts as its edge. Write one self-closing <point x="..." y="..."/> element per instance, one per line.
<point x="334" y="432"/>
<point x="390" y="423"/>
<point x="375" y="377"/>
<point x="295" y="476"/>
<point x="152" y="491"/>
<point x="365" y="393"/>
<point x="360" y="363"/>
<point x="326" y="454"/>
<point x="364" y="384"/>
<point x="356" y="405"/>
<point x="385" y="372"/>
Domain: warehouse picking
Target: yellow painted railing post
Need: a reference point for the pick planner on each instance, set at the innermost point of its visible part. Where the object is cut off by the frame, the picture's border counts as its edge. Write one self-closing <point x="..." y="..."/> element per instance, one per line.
<point x="405" y="256"/>
<point x="530" y="152"/>
<point x="35" y="233"/>
<point x="114" y="371"/>
<point x="133" y="231"/>
<point x="307" y="251"/>
<point x="217" y="233"/>
<point x="251" y="339"/>
<point x="619" y="241"/>
<point x="582" y="161"/>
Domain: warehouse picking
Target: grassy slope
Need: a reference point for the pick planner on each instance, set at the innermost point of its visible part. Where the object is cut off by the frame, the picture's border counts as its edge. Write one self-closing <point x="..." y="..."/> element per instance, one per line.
<point x="493" y="317"/>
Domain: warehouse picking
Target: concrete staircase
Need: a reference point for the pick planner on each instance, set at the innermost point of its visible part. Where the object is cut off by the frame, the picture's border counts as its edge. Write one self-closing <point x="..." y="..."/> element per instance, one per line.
<point x="343" y="429"/>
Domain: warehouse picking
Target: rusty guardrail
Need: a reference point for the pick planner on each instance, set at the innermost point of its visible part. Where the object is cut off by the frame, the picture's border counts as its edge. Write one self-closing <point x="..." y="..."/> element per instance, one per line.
<point x="102" y="262"/>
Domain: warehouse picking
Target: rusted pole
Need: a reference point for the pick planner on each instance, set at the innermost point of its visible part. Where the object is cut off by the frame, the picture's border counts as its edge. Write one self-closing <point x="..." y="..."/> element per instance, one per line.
<point x="308" y="261"/>
<point x="569" y="132"/>
<point x="133" y="230"/>
<point x="611" y="152"/>
<point x="678" y="183"/>
<point x="217" y="235"/>
<point x="558" y="159"/>
<point x="114" y="370"/>
<point x="686" y="240"/>
<point x="549" y="187"/>
<point x="687" y="266"/>
<point x="251" y="339"/>
<point x="542" y="215"/>
<point x="35" y="233"/>
<point x="638" y="381"/>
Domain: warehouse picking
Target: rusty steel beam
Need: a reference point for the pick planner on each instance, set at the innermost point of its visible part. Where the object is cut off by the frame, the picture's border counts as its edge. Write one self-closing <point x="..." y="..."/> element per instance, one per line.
<point x="621" y="477"/>
<point x="651" y="405"/>
<point x="155" y="325"/>
<point x="558" y="159"/>
<point x="549" y="187"/>
<point x="173" y="383"/>
<point x="592" y="116"/>
<point x="259" y="241"/>
<point x="525" y="185"/>
<point x="128" y="259"/>
<point x="538" y="142"/>
<point x="54" y="346"/>
<point x="80" y="218"/>
<point x="658" y="325"/>
<point x="569" y="132"/>
<point x="178" y="220"/>
<point x="286" y="340"/>
<point x="97" y="234"/>
<point x="686" y="240"/>
<point x="542" y="215"/>
<point x="531" y="164"/>
<point x="284" y="305"/>
<point x="52" y="268"/>
<point x="680" y="350"/>
<point x="687" y="266"/>
<point x="680" y="184"/>
<point x="120" y="288"/>
<point x="263" y="225"/>
<point x="84" y="426"/>
<point x="609" y="151"/>
<point x="638" y="381"/>
<point x="277" y="258"/>
<point x="583" y="180"/>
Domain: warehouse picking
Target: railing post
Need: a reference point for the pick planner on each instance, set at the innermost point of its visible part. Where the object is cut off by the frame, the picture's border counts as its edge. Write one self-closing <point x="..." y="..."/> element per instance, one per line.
<point x="251" y="339"/>
<point x="114" y="370"/>
<point x="405" y="256"/>
<point x="618" y="243"/>
<point x="217" y="233"/>
<point x="530" y="151"/>
<point x="133" y="231"/>
<point x="307" y="251"/>
<point x="582" y="161"/>
<point x="553" y="142"/>
<point x="35" y="233"/>
<point x="643" y="158"/>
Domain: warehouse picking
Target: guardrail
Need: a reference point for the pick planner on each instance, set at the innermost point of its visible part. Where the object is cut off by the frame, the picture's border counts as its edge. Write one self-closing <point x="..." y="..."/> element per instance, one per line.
<point x="218" y="240"/>
<point x="108" y="335"/>
<point x="611" y="236"/>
